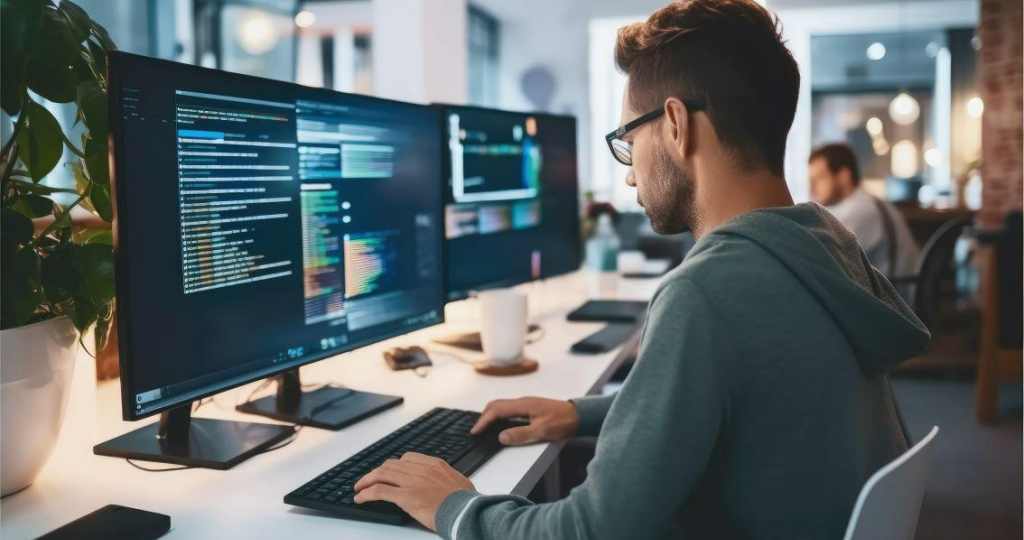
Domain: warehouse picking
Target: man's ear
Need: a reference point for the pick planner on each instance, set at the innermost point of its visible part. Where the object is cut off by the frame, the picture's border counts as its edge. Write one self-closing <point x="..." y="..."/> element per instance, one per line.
<point x="678" y="125"/>
<point x="844" y="177"/>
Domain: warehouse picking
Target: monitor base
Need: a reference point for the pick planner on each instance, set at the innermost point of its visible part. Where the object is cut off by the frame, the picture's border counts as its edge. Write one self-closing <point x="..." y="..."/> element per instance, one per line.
<point x="326" y="407"/>
<point x="197" y="442"/>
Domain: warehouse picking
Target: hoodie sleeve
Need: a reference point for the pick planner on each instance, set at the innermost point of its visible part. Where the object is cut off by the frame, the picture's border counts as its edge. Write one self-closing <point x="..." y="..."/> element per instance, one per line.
<point x="654" y="446"/>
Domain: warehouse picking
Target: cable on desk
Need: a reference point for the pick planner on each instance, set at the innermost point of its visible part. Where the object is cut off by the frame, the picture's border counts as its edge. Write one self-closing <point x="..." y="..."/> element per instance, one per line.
<point x="151" y="469"/>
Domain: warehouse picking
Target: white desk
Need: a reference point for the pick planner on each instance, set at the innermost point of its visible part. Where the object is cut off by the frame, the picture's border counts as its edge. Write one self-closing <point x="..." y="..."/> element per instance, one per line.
<point x="246" y="501"/>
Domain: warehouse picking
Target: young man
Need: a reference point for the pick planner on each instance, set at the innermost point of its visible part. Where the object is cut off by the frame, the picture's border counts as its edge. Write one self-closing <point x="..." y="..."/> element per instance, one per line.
<point x="880" y="229"/>
<point x="758" y="405"/>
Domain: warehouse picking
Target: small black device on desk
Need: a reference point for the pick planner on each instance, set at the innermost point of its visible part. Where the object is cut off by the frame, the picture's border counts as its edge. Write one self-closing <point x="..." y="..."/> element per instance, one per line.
<point x="621" y="311"/>
<point x="113" y="521"/>
<point x="605" y="339"/>
<point x="413" y="357"/>
<point x="442" y="433"/>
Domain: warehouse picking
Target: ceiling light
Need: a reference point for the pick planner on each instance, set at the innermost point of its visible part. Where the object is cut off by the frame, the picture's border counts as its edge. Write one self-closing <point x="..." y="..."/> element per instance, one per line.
<point x="975" y="107"/>
<point x="880" y="146"/>
<point x="305" y="19"/>
<point x="932" y="157"/>
<point x="904" y="159"/>
<point x="874" y="126"/>
<point x="256" y="33"/>
<point x="876" y="51"/>
<point x="903" y="109"/>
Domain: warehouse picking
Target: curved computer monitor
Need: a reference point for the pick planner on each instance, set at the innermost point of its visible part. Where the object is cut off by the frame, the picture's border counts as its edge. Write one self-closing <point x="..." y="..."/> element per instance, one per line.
<point x="511" y="197"/>
<point x="263" y="225"/>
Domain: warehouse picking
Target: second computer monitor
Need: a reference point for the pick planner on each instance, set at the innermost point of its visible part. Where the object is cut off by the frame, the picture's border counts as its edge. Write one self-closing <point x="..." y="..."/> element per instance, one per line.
<point x="511" y="198"/>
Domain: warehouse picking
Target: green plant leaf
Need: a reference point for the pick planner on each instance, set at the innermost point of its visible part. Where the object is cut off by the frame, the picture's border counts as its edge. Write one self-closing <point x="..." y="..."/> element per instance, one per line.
<point x="99" y="196"/>
<point x="40" y="189"/>
<point x="19" y="23"/>
<point x="99" y="57"/>
<point x="102" y="331"/>
<point x="104" y="38"/>
<point x="80" y="22"/>
<point x="82" y="182"/>
<point x="21" y="291"/>
<point x="92" y="102"/>
<point x="82" y="312"/>
<point x="34" y="206"/>
<point x="95" y="236"/>
<point x="40" y="143"/>
<point x="17" y="228"/>
<point x="95" y="264"/>
<point x="55" y="53"/>
<point x="96" y="161"/>
<point x="59" y="274"/>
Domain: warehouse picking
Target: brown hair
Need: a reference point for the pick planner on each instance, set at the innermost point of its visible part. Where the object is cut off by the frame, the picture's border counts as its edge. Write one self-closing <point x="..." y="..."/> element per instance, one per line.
<point x="728" y="54"/>
<point x="838" y="156"/>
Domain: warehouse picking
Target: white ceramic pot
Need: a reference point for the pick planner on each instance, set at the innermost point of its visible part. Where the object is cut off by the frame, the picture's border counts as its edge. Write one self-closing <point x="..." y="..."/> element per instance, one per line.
<point x="36" y="363"/>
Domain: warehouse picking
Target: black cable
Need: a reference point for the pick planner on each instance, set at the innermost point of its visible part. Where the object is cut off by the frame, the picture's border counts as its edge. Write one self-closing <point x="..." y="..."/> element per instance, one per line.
<point x="150" y="469"/>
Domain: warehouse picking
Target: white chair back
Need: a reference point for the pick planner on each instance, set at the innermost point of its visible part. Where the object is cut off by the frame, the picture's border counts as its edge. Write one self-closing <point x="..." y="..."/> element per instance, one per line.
<point x="889" y="504"/>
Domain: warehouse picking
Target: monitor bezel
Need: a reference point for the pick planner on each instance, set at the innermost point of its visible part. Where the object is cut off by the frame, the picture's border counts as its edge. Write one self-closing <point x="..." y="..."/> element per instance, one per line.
<point x="115" y="64"/>
<point x="462" y="294"/>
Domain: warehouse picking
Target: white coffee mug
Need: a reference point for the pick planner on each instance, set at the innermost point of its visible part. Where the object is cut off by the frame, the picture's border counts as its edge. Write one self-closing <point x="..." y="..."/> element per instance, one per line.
<point x="503" y="326"/>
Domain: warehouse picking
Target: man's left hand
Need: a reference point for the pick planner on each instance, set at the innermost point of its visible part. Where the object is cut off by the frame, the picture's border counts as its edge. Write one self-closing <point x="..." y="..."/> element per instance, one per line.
<point x="417" y="483"/>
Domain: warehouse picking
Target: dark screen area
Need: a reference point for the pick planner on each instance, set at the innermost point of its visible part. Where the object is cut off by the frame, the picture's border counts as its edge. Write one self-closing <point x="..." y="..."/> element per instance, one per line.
<point x="511" y="198"/>
<point x="263" y="225"/>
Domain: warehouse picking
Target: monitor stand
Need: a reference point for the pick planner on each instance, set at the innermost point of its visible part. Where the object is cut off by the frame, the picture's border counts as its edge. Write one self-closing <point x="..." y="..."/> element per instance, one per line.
<point x="198" y="442"/>
<point x="326" y="407"/>
<point x="471" y="340"/>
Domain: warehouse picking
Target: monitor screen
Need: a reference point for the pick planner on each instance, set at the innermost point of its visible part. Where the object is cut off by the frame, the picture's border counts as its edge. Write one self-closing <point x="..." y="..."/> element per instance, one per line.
<point x="511" y="199"/>
<point x="263" y="225"/>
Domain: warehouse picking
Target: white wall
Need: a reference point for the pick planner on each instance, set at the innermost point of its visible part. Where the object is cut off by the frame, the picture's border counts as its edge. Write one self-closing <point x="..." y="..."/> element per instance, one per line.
<point x="419" y="50"/>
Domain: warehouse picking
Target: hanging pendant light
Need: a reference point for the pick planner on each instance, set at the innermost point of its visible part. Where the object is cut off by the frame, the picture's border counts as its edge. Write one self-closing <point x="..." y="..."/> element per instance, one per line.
<point x="904" y="109"/>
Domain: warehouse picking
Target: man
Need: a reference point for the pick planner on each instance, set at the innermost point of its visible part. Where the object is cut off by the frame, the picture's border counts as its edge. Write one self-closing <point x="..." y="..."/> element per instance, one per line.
<point x="880" y="229"/>
<point x="758" y="405"/>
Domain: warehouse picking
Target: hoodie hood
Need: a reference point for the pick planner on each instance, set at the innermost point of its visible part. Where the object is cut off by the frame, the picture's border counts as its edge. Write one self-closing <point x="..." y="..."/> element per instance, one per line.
<point x="825" y="257"/>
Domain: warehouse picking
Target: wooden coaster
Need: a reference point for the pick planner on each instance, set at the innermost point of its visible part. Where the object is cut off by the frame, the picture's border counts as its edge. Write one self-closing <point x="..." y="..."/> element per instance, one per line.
<point x="527" y="365"/>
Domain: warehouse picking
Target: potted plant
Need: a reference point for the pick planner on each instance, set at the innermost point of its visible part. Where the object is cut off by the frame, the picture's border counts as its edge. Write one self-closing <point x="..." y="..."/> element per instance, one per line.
<point x="57" y="280"/>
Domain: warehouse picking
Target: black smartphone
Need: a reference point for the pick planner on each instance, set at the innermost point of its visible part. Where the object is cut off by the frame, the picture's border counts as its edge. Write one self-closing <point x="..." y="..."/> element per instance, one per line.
<point x="113" y="521"/>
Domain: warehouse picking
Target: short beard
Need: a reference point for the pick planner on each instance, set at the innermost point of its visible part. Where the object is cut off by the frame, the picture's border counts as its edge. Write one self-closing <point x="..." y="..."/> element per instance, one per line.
<point x="672" y="211"/>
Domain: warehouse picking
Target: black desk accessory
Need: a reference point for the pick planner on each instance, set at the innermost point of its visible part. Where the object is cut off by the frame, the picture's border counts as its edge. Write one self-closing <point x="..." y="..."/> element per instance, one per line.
<point x="400" y="358"/>
<point x="623" y="311"/>
<point x="605" y="339"/>
<point x="113" y="522"/>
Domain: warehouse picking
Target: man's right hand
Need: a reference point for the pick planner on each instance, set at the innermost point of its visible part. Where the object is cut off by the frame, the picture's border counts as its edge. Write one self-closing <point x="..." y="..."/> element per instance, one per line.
<point x="550" y="420"/>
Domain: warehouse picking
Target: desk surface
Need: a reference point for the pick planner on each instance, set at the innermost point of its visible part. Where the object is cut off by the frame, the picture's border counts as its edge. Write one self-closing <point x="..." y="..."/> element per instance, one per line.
<point x="246" y="501"/>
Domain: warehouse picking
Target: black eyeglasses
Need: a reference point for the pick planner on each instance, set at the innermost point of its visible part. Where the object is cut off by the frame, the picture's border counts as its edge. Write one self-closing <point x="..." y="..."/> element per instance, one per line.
<point x="621" y="149"/>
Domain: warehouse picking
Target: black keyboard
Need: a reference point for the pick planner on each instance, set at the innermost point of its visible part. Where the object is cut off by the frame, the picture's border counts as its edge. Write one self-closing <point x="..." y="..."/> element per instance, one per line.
<point x="443" y="433"/>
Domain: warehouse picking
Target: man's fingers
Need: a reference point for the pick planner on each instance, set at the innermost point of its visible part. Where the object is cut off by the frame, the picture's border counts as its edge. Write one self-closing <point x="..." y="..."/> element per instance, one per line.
<point x="500" y="408"/>
<point x="519" y="435"/>
<point x="420" y="459"/>
<point x="379" y="492"/>
<point x="392" y="472"/>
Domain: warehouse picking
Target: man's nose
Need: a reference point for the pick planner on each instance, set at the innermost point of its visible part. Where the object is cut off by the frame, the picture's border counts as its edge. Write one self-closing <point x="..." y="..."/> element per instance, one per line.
<point x="630" y="180"/>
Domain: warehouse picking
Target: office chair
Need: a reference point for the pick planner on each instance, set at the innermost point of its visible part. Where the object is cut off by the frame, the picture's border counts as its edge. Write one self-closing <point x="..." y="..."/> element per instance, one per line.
<point x="890" y="502"/>
<point x="1000" y="356"/>
<point x="924" y="289"/>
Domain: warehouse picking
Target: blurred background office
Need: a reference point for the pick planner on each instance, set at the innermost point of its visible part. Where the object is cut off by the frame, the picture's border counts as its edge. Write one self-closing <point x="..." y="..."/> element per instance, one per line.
<point x="927" y="93"/>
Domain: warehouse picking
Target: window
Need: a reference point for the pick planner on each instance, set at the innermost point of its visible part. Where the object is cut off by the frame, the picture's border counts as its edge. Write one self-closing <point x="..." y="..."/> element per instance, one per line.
<point x="483" y="41"/>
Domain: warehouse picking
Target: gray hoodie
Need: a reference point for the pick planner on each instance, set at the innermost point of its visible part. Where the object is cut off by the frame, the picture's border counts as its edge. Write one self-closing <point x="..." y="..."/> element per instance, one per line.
<point x="758" y="405"/>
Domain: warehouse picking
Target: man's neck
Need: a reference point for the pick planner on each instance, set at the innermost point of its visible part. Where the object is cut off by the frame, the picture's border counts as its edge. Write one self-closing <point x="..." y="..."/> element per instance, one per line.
<point x="732" y="193"/>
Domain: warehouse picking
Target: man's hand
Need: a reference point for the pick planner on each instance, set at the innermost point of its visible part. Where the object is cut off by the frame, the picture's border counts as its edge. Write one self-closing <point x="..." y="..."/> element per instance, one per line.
<point x="417" y="483"/>
<point x="550" y="419"/>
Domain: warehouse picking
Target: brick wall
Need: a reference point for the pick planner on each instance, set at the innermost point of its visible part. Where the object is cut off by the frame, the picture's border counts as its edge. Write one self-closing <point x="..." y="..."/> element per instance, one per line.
<point x="1000" y="85"/>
